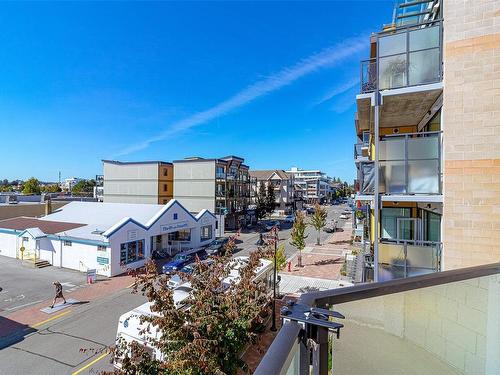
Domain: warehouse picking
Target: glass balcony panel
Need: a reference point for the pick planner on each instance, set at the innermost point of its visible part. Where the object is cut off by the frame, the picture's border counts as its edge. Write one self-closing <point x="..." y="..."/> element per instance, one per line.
<point x="424" y="67"/>
<point x="392" y="71"/>
<point x="437" y="330"/>
<point x="392" y="254"/>
<point x="427" y="37"/>
<point x="393" y="149"/>
<point x="392" y="177"/>
<point x="423" y="177"/>
<point x="423" y="147"/>
<point x="392" y="44"/>
<point x="425" y="256"/>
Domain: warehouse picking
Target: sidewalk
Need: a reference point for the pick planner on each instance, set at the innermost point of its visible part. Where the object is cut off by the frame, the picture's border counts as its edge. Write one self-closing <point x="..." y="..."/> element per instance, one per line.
<point x="30" y="316"/>
<point x="324" y="261"/>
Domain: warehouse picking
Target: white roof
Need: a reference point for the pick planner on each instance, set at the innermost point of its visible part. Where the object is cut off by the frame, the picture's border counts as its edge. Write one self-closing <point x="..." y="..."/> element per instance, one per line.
<point x="104" y="218"/>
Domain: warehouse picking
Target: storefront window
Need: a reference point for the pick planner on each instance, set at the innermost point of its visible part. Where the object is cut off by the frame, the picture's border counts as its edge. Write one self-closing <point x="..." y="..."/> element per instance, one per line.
<point x="206" y="232"/>
<point x="180" y="235"/>
<point x="131" y="251"/>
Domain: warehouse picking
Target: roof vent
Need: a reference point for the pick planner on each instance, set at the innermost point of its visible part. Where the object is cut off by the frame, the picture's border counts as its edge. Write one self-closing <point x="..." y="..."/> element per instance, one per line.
<point x="97" y="231"/>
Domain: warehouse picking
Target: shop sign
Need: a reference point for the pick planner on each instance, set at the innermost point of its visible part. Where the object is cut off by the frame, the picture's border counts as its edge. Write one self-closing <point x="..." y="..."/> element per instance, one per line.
<point x="173" y="227"/>
<point x="102" y="261"/>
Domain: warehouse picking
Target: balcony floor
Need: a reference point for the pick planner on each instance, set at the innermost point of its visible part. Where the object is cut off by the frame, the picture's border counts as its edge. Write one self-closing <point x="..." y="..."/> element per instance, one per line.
<point x="362" y="349"/>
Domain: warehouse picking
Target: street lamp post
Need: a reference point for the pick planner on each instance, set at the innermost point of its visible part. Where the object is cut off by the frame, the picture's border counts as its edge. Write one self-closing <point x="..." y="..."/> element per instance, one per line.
<point x="275" y="229"/>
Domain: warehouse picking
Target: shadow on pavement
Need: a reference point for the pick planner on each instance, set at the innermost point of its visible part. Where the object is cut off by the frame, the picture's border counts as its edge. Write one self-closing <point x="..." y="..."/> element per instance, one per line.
<point x="12" y="332"/>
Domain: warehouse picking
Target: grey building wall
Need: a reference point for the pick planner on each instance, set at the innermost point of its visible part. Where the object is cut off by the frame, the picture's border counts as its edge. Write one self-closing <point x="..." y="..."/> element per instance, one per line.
<point x="194" y="184"/>
<point x="131" y="183"/>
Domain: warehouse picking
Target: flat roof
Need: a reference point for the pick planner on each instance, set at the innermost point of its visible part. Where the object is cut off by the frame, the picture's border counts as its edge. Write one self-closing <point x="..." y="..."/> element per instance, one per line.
<point x="136" y="162"/>
<point x="46" y="226"/>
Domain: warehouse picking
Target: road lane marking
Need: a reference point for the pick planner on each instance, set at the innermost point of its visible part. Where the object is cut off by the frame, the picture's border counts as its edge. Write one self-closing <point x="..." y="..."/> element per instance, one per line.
<point x="51" y="318"/>
<point x="26" y="304"/>
<point x="90" y="363"/>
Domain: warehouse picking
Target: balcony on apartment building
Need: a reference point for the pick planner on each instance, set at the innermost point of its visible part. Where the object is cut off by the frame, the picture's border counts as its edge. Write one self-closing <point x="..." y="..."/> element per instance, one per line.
<point x="406" y="258"/>
<point x="407" y="71"/>
<point x="436" y="324"/>
<point x="410" y="165"/>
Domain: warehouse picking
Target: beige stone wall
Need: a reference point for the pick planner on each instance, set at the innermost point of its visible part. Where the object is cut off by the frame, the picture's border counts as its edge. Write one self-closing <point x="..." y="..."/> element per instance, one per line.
<point x="471" y="124"/>
<point x="457" y="323"/>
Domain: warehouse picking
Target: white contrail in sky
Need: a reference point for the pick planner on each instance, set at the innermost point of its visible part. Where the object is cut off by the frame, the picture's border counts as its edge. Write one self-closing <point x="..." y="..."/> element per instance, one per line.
<point x="282" y="78"/>
<point x="337" y="91"/>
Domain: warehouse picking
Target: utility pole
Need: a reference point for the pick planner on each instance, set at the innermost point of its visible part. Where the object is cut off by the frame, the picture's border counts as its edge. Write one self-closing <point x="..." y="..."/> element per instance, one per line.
<point x="275" y="229"/>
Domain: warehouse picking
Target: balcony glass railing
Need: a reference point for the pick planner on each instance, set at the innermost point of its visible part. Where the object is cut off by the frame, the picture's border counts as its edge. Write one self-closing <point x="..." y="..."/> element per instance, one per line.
<point x="409" y="56"/>
<point x="410" y="164"/>
<point x="408" y="258"/>
<point x="440" y="323"/>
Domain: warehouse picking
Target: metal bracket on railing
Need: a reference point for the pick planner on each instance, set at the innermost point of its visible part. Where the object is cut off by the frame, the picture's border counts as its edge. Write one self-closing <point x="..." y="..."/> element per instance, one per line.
<point x="306" y="315"/>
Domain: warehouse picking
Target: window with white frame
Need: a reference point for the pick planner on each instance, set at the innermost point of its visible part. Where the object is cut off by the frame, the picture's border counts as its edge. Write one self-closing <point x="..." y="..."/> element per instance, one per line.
<point x="206" y="232"/>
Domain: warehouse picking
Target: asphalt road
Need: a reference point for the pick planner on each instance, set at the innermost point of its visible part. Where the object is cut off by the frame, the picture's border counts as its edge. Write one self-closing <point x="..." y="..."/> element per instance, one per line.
<point x="249" y="239"/>
<point x="68" y="344"/>
<point x="24" y="286"/>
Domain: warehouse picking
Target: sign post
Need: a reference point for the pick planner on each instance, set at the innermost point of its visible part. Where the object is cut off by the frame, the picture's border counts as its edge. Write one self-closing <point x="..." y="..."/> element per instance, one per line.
<point x="91" y="276"/>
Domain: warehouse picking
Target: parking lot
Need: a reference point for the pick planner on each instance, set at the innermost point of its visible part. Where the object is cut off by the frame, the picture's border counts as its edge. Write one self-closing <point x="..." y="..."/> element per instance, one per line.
<point x="23" y="286"/>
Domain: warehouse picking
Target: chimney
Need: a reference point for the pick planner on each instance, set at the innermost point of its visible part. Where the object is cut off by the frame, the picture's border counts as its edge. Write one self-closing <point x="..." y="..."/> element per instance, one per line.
<point x="48" y="206"/>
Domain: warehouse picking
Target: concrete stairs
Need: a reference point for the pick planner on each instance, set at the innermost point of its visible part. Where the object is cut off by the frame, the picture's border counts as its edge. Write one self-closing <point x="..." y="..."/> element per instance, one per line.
<point x="41" y="263"/>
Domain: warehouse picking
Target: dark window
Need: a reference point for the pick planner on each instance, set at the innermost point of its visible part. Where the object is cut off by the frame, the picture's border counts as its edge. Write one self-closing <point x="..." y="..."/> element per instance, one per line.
<point x="180" y="235"/>
<point x="206" y="232"/>
<point x="131" y="251"/>
<point x="101" y="248"/>
<point x="175" y="216"/>
<point x="165" y="187"/>
<point x="165" y="172"/>
<point x="67" y="243"/>
<point x="165" y="201"/>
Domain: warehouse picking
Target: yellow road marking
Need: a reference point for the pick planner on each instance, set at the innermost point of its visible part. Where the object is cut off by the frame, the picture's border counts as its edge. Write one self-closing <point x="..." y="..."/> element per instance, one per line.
<point x="131" y="285"/>
<point x="51" y="318"/>
<point x="90" y="363"/>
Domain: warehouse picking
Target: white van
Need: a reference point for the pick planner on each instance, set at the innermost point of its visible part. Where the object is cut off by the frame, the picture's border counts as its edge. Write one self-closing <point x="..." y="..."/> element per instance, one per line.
<point x="129" y="325"/>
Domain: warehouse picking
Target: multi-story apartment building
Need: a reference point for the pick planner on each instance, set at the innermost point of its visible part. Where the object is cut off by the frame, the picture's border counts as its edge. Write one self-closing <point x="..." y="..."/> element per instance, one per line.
<point x="282" y="183"/>
<point x="99" y="188"/>
<point x="220" y="185"/>
<point x="430" y="207"/>
<point x="137" y="182"/>
<point x="314" y="185"/>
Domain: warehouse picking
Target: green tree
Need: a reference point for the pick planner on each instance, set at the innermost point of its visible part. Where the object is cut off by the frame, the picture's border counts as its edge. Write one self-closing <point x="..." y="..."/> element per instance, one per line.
<point x="32" y="186"/>
<point x="53" y="188"/>
<point x="209" y="337"/>
<point x="298" y="236"/>
<point x="83" y="186"/>
<point x="318" y="220"/>
<point x="280" y="256"/>
<point x="261" y="209"/>
<point x="270" y="199"/>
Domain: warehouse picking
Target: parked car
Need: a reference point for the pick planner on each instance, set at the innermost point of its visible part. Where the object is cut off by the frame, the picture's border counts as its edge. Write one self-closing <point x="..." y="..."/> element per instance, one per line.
<point x="215" y="247"/>
<point x="310" y="210"/>
<point x="159" y="254"/>
<point x="271" y="224"/>
<point x="289" y="219"/>
<point x="344" y="216"/>
<point x="177" y="280"/>
<point x="180" y="260"/>
<point x="329" y="229"/>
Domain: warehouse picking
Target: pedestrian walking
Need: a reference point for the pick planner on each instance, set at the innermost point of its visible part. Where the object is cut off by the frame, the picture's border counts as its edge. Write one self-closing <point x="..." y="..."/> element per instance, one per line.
<point x="59" y="293"/>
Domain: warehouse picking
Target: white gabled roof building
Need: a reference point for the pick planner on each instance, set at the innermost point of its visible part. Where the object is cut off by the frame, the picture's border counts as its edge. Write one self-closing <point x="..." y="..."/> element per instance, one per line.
<point x="108" y="237"/>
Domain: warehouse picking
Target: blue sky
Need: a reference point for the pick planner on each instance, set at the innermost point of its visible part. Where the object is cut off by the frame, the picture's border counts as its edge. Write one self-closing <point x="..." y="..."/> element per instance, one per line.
<point x="273" y="82"/>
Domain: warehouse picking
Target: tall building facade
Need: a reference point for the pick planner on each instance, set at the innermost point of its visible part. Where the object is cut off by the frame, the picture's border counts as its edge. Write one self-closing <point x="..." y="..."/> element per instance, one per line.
<point x="314" y="185"/>
<point x="137" y="182"/>
<point x="282" y="183"/>
<point x="220" y="185"/>
<point x="427" y="155"/>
